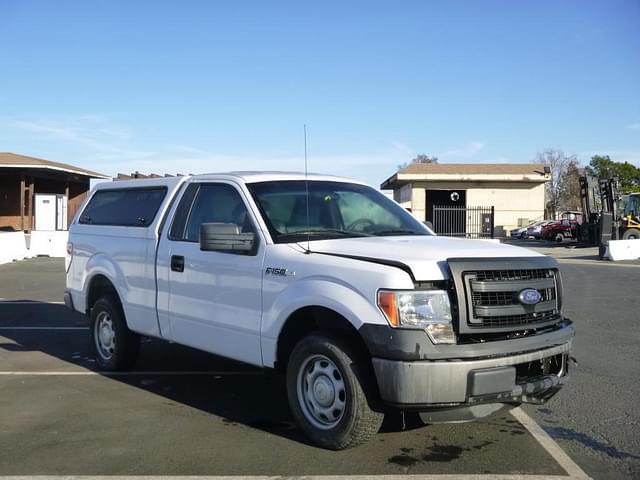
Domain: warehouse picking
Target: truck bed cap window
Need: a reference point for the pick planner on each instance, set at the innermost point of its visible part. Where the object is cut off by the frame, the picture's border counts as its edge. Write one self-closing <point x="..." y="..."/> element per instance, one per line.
<point x="126" y="207"/>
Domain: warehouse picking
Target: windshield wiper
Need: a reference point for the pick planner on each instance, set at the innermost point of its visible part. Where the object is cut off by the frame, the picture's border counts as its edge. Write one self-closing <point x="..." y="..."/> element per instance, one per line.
<point x="397" y="231"/>
<point x="320" y="231"/>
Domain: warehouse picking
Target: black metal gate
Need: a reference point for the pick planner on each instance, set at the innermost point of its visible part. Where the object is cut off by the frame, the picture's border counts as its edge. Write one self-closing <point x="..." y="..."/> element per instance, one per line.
<point x="467" y="222"/>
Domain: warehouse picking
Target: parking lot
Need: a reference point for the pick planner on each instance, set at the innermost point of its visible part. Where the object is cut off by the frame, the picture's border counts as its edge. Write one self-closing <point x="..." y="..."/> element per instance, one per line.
<point x="182" y="412"/>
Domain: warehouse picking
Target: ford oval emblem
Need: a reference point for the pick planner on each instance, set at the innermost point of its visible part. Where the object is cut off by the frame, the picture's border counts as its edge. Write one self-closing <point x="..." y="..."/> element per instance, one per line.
<point x="529" y="296"/>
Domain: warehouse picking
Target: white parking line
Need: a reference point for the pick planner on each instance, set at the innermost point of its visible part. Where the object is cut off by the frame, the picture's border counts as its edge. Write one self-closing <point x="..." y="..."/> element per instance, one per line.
<point x="44" y="328"/>
<point x="92" y="373"/>
<point x="4" y="301"/>
<point x="549" y="444"/>
<point x="443" y="476"/>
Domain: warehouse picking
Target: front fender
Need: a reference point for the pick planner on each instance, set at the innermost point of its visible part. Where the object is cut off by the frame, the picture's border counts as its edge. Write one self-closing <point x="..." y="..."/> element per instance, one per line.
<point x="324" y="292"/>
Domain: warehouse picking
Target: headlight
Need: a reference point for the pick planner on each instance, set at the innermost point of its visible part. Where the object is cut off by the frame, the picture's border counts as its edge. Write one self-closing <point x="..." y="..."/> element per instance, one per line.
<point x="421" y="309"/>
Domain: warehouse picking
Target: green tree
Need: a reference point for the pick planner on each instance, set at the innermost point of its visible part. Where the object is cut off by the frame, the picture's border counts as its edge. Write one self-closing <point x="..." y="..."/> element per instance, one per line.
<point x="601" y="166"/>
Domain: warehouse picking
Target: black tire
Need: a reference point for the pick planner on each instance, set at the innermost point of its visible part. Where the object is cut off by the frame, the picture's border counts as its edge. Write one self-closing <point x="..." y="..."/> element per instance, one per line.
<point x="351" y="420"/>
<point x="118" y="349"/>
<point x="558" y="237"/>
<point x="602" y="249"/>
<point x="631" y="234"/>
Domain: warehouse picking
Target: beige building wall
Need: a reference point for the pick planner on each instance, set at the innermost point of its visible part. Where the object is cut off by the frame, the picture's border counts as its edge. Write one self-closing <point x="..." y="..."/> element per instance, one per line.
<point x="512" y="200"/>
<point x="513" y="203"/>
<point x="403" y="196"/>
<point x="418" y="203"/>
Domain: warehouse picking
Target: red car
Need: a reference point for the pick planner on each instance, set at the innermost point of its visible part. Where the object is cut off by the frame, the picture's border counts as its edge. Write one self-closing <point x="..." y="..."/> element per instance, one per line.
<point x="564" y="228"/>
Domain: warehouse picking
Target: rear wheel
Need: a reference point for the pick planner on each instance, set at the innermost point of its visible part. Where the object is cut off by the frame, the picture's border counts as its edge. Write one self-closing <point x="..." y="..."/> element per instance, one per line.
<point x="116" y="346"/>
<point x="558" y="237"/>
<point x="327" y="386"/>
<point x="631" y="234"/>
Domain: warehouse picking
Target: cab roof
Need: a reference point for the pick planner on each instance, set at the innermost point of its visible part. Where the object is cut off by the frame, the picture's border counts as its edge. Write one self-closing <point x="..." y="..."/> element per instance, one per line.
<point x="238" y="176"/>
<point x="252" y="176"/>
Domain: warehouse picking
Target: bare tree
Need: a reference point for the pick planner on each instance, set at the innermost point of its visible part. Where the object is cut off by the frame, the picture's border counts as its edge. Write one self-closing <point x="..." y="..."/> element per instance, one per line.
<point x="562" y="189"/>
<point x="570" y="195"/>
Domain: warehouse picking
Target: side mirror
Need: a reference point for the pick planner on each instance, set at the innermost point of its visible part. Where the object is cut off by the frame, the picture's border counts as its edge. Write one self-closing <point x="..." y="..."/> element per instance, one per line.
<point x="225" y="237"/>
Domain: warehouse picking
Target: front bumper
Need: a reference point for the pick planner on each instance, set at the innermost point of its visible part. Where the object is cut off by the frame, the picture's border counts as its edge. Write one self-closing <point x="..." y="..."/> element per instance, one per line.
<point x="422" y="385"/>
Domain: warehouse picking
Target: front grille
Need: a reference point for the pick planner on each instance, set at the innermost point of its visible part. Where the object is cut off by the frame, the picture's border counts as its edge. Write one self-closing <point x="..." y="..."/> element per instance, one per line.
<point x="485" y="293"/>
<point x="493" y="302"/>
<point x="517" y="320"/>
<point x="507" y="298"/>
<point x="505" y="275"/>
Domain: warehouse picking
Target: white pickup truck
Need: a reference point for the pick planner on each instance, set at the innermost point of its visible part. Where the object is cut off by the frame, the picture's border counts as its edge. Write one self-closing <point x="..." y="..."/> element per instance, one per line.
<point x="327" y="280"/>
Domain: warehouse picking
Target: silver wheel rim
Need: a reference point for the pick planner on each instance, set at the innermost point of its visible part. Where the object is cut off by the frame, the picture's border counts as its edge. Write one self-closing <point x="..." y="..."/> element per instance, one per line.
<point x="321" y="392"/>
<point x="105" y="336"/>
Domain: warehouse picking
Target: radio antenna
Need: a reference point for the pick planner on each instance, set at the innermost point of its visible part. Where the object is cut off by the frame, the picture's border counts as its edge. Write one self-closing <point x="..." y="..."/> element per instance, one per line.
<point x="306" y="187"/>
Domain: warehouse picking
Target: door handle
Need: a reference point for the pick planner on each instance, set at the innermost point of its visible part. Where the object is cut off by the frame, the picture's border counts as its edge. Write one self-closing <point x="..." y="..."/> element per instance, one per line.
<point x="177" y="263"/>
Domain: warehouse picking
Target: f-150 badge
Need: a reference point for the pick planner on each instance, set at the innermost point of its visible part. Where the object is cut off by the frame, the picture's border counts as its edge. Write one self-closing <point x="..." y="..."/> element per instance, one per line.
<point x="283" y="272"/>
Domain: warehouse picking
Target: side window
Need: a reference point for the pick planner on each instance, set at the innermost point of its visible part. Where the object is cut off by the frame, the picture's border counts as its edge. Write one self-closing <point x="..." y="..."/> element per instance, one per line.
<point x="182" y="213"/>
<point x="127" y="207"/>
<point x="214" y="203"/>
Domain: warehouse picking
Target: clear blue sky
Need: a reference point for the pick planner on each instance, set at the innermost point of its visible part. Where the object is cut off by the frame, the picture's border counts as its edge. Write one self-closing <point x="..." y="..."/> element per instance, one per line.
<point x="195" y="86"/>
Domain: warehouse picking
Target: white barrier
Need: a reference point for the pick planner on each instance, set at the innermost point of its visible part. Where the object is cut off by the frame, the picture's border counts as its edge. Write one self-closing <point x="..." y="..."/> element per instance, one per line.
<point x="623" y="250"/>
<point x="12" y="247"/>
<point x="48" y="243"/>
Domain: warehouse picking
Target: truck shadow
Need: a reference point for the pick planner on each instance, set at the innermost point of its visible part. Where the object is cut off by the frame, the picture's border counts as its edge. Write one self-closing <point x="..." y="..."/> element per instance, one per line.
<point x="239" y="394"/>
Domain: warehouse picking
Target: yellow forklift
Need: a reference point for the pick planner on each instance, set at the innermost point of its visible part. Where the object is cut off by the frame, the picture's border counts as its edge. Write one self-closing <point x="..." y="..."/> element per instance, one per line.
<point x="630" y="218"/>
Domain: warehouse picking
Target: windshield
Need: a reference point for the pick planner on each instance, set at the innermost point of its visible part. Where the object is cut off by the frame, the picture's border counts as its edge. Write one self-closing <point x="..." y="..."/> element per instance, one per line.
<point x="631" y="204"/>
<point x="336" y="210"/>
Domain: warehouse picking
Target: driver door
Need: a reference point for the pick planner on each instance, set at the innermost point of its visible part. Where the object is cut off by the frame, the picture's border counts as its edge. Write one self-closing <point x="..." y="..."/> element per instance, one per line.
<point x="214" y="297"/>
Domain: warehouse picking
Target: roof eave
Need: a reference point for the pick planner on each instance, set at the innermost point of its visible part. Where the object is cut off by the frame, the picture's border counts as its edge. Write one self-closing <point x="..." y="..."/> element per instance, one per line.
<point x="403" y="178"/>
<point x="394" y="181"/>
<point x="84" y="173"/>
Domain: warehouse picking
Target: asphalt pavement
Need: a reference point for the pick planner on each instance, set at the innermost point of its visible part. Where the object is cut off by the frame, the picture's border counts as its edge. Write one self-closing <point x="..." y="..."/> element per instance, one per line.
<point x="183" y="412"/>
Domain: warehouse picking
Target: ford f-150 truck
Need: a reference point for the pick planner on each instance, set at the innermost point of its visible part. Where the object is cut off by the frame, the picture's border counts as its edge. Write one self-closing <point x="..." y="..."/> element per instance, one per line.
<point x="362" y="307"/>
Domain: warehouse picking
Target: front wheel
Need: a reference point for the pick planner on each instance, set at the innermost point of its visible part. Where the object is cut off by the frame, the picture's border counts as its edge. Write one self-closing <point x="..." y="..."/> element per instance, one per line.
<point x="631" y="234"/>
<point x="327" y="386"/>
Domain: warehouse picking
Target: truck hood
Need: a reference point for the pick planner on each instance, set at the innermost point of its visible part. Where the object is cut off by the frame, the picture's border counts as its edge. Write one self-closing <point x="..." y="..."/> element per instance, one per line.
<point x="425" y="255"/>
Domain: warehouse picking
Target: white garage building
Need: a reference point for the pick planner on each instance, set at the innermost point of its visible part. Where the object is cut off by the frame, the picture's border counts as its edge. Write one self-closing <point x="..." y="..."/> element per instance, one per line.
<point x="515" y="190"/>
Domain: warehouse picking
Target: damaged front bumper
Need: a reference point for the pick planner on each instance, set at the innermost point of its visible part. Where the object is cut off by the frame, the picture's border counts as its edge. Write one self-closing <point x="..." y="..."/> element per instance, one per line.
<point x="447" y="385"/>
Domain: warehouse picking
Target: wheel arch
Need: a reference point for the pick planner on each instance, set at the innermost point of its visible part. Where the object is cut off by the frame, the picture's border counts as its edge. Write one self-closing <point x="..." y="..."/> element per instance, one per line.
<point x="99" y="286"/>
<point x="340" y="302"/>
<point x="315" y="319"/>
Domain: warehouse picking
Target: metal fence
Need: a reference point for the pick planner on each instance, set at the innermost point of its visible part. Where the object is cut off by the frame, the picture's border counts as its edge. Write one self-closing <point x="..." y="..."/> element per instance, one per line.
<point x="467" y="222"/>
